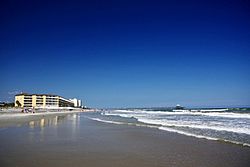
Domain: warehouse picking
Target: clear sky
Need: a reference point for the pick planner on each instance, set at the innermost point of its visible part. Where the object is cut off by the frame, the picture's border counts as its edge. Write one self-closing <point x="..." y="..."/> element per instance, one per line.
<point x="125" y="53"/>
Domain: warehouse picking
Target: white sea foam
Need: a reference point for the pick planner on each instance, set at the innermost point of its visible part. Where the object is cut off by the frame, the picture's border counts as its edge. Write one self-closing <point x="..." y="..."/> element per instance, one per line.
<point x="203" y="110"/>
<point x="212" y="110"/>
<point x="173" y="125"/>
<point x="227" y="115"/>
<point x="105" y="121"/>
<point x="121" y="115"/>
<point x="202" y="124"/>
<point x="169" y="129"/>
<point x="186" y="133"/>
<point x="122" y="123"/>
<point x="182" y="112"/>
<point x="218" y="125"/>
<point x="196" y="125"/>
<point x="201" y="136"/>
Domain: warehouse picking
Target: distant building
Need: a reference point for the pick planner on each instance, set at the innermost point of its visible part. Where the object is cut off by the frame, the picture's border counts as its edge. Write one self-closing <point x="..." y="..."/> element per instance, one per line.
<point x="77" y="103"/>
<point x="41" y="101"/>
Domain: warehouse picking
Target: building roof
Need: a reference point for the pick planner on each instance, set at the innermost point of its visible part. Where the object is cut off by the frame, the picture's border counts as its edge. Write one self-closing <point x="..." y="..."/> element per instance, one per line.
<point x="21" y="94"/>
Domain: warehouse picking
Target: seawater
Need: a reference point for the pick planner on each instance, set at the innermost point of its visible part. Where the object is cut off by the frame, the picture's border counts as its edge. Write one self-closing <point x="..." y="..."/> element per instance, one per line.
<point x="230" y="125"/>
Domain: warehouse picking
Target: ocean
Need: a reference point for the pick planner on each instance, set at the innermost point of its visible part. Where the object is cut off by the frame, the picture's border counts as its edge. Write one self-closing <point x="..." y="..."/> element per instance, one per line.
<point x="228" y="124"/>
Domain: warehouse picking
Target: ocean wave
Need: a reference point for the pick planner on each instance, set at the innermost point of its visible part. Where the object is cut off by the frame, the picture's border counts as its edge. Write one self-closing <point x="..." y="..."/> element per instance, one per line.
<point x="201" y="136"/>
<point x="122" y="123"/>
<point x="169" y="129"/>
<point x="121" y="115"/>
<point x="195" y="126"/>
<point x="105" y="121"/>
<point x="223" y="125"/>
<point x="228" y="115"/>
<point x="186" y="133"/>
<point x="182" y="112"/>
<point x="205" y="110"/>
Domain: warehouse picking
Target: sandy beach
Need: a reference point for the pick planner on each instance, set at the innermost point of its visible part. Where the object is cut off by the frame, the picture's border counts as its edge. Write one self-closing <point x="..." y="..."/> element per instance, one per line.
<point x="74" y="140"/>
<point x="16" y="117"/>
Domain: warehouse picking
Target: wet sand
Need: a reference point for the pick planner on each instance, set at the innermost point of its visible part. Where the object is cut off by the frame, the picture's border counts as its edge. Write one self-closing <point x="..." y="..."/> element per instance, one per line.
<point x="19" y="118"/>
<point x="74" y="140"/>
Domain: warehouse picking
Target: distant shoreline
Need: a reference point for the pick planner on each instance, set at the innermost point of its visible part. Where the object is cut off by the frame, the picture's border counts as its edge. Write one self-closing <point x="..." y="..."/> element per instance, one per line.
<point x="17" y="117"/>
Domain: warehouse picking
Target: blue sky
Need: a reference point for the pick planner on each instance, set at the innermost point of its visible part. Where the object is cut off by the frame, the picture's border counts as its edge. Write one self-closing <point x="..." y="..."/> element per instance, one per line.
<point x="128" y="53"/>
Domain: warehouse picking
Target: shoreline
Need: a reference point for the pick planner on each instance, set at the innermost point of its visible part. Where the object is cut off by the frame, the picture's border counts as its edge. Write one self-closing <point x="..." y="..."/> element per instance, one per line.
<point x="10" y="119"/>
<point x="153" y="126"/>
<point x="77" y="140"/>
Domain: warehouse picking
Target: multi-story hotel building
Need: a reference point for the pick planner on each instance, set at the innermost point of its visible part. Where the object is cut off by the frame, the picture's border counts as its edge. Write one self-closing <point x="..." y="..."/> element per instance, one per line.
<point x="77" y="103"/>
<point x="41" y="101"/>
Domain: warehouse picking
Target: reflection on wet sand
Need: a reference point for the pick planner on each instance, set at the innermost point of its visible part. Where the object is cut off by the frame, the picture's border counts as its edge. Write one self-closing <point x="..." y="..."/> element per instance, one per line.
<point x="75" y="124"/>
<point x="32" y="124"/>
<point x="54" y="121"/>
<point x="37" y="128"/>
<point x="46" y="122"/>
